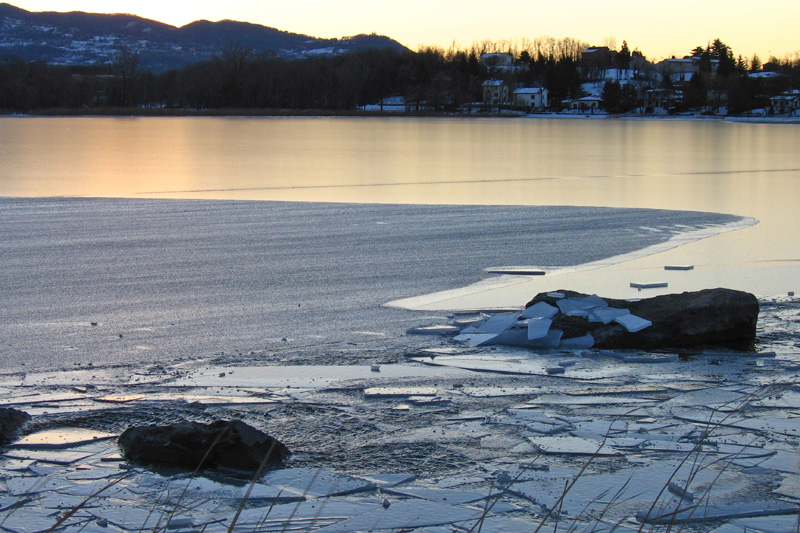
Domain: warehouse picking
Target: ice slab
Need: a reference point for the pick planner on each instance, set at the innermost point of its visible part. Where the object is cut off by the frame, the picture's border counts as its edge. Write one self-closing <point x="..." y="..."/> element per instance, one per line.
<point x="433" y="330"/>
<point x="649" y="284"/>
<point x="548" y="342"/>
<point x="633" y="323"/>
<point x="719" y="512"/>
<point x="316" y="482"/>
<point x="568" y="445"/>
<point x="299" y="376"/>
<point x="516" y="270"/>
<point x="540" y="310"/>
<point x="399" y="392"/>
<point x="538" y="328"/>
<point x="606" y="315"/>
<point x="451" y="496"/>
<point x="574" y="343"/>
<point x="61" y="438"/>
<point x="496" y="323"/>
<point x="406" y="514"/>
<point x="56" y="457"/>
<point x="576" y="306"/>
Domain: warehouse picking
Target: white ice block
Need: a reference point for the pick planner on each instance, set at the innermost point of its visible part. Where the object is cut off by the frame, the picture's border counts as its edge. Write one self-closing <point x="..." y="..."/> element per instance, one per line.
<point x="538" y="328"/>
<point x="633" y="323"/>
<point x="606" y="315"/>
<point x="540" y="310"/>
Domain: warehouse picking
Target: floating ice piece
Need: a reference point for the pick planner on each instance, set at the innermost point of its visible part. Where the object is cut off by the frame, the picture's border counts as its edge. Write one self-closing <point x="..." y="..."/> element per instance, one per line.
<point x="56" y="457"/>
<point x="498" y="392"/>
<point x="120" y="398"/>
<point x="497" y="323"/>
<point x="538" y="328"/>
<point x="549" y="341"/>
<point x="606" y="315"/>
<point x="433" y="330"/>
<point x="613" y="389"/>
<point x="19" y="486"/>
<point x="444" y="495"/>
<point x="645" y="357"/>
<point x="717" y="512"/>
<point x="402" y="392"/>
<point x="586" y="341"/>
<point x="558" y="399"/>
<point x="648" y="284"/>
<point x="61" y="438"/>
<point x="406" y="514"/>
<point x="476" y="339"/>
<point x="515" y="336"/>
<point x="389" y="480"/>
<point x="633" y="323"/>
<point x="564" y="445"/>
<point x="678" y="267"/>
<point x="571" y="306"/>
<point x="316" y="482"/>
<point x="540" y="310"/>
<point x="516" y="270"/>
<point x="556" y="295"/>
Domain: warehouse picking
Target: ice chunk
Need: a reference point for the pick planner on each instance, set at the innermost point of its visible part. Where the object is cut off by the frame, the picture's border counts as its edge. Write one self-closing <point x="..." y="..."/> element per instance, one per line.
<point x="540" y="310"/>
<point x="538" y="327"/>
<point x="407" y="514"/>
<point x="497" y="323"/>
<point x="549" y="341"/>
<point x="586" y="341"/>
<point x="718" y="512"/>
<point x="606" y="315"/>
<point x="61" y="438"/>
<point x="572" y="446"/>
<point x="433" y="330"/>
<point x="317" y="482"/>
<point x="402" y="392"/>
<point x="648" y="284"/>
<point x="633" y="323"/>
<point x="476" y="339"/>
<point x="579" y="306"/>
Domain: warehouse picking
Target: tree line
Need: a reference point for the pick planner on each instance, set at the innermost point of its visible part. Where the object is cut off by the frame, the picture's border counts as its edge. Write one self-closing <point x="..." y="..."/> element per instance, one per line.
<point x="431" y="79"/>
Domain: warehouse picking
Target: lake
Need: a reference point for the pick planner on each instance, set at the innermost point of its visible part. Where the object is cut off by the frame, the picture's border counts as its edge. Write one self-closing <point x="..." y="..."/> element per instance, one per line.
<point x="666" y="164"/>
<point x="172" y="279"/>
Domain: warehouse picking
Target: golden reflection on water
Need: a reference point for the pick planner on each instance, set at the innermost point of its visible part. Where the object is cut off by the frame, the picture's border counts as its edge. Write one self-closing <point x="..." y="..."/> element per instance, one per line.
<point x="739" y="168"/>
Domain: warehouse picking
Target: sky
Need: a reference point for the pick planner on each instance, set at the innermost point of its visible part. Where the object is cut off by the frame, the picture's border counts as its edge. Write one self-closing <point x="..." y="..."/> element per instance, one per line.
<point x="658" y="28"/>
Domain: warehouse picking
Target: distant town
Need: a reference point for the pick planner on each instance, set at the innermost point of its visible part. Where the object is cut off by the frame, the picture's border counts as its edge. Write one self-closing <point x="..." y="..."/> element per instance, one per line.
<point x="87" y="63"/>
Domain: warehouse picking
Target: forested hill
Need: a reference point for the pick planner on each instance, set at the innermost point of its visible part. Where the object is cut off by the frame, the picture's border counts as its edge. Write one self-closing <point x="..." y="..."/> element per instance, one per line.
<point x="79" y="38"/>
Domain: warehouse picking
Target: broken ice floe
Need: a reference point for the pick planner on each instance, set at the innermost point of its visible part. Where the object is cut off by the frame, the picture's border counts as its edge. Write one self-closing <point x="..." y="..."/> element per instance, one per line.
<point x="532" y="327"/>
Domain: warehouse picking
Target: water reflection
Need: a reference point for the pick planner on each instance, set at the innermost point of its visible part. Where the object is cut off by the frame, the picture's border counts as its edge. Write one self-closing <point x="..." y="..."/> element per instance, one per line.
<point x="745" y="169"/>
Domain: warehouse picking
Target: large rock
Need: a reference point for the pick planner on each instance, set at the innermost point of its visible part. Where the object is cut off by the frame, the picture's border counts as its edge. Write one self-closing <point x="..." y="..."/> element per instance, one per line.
<point x="231" y="444"/>
<point x="11" y="422"/>
<point x="721" y="317"/>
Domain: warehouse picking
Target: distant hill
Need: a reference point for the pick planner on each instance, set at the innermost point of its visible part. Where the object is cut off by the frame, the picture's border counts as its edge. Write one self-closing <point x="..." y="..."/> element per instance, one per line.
<point x="79" y="38"/>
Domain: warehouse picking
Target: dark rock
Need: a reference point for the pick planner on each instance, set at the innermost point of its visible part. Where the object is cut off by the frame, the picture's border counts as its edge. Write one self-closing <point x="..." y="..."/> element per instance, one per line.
<point x="11" y="422"/>
<point x="225" y="444"/>
<point x="720" y="317"/>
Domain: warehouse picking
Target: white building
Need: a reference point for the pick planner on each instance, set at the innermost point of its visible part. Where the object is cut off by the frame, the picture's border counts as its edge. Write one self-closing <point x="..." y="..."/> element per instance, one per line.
<point x="531" y="98"/>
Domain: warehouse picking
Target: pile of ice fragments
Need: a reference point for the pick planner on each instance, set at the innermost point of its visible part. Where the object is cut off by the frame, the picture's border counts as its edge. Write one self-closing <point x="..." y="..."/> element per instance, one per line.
<point x="533" y="326"/>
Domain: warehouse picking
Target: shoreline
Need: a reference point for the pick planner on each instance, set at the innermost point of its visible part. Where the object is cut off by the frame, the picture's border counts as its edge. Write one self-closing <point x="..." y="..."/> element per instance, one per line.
<point x="326" y="113"/>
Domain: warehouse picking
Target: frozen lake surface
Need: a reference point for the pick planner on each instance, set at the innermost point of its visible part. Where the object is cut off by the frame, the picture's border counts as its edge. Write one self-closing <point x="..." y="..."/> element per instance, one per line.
<point x="165" y="280"/>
